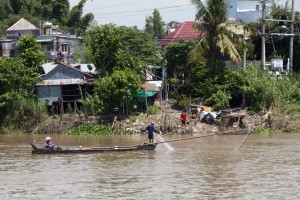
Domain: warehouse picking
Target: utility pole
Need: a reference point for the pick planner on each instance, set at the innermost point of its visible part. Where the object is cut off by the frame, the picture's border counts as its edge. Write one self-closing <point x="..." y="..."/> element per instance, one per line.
<point x="263" y="42"/>
<point x="245" y="50"/>
<point x="290" y="70"/>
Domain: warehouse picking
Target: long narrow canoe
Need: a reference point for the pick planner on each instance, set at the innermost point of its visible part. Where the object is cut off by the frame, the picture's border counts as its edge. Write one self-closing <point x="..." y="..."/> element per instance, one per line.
<point x="42" y="150"/>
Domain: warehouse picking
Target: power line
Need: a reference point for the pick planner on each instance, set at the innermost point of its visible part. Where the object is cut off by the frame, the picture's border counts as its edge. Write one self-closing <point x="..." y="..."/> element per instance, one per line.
<point x="143" y="10"/>
<point x="140" y="14"/>
<point x="112" y="6"/>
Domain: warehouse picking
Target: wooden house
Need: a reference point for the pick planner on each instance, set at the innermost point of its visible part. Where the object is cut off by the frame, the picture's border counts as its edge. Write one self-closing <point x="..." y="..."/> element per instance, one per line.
<point x="63" y="85"/>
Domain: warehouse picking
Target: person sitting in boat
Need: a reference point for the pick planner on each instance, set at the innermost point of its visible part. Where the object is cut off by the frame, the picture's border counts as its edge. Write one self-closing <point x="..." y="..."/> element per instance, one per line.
<point x="48" y="143"/>
<point x="150" y="129"/>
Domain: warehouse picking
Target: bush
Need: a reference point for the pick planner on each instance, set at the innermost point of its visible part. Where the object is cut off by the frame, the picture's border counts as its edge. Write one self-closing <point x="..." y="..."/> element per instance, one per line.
<point x="24" y="114"/>
<point x="153" y="110"/>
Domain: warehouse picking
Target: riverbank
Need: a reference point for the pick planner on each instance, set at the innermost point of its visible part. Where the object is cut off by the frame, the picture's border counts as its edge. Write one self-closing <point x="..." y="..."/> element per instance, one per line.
<point x="166" y="120"/>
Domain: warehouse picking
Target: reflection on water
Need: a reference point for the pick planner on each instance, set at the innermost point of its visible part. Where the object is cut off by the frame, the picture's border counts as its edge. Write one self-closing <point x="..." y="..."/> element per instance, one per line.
<point x="264" y="167"/>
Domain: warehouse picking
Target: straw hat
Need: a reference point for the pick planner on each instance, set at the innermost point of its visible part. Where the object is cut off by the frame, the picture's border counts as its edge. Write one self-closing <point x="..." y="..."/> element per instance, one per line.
<point x="48" y="138"/>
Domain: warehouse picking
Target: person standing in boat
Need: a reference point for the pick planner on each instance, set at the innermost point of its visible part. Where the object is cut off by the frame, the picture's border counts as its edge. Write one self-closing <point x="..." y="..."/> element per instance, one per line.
<point x="150" y="129"/>
<point x="48" y="143"/>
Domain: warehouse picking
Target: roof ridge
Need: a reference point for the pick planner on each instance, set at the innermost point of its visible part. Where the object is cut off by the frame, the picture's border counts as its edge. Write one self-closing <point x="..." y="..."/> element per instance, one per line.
<point x="178" y="30"/>
<point x="31" y="26"/>
<point x="70" y="66"/>
<point x="15" y="24"/>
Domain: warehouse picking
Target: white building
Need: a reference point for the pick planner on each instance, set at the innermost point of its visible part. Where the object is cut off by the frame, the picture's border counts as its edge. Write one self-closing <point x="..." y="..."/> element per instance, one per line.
<point x="251" y="10"/>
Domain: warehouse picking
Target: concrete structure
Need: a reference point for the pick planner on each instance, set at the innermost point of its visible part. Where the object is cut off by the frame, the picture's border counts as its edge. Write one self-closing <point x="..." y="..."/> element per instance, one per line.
<point x="57" y="44"/>
<point x="13" y="33"/>
<point x="21" y="27"/>
<point x="251" y="10"/>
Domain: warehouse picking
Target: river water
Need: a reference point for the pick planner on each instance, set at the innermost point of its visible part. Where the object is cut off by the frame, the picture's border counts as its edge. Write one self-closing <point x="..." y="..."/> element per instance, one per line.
<point x="215" y="167"/>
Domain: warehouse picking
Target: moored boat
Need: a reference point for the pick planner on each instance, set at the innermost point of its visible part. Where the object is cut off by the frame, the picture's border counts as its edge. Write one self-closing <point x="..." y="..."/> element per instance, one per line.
<point x="55" y="150"/>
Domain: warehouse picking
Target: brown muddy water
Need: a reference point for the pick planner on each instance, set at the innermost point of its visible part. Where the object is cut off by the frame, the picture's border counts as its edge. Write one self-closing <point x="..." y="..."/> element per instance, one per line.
<point x="263" y="167"/>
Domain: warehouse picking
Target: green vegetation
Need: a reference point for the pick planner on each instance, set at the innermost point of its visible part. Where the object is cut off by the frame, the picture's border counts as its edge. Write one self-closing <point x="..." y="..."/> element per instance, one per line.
<point x="153" y="110"/>
<point x="219" y="41"/>
<point x="110" y="47"/>
<point x="18" y="107"/>
<point x="35" y="11"/>
<point x="155" y="25"/>
<point x="88" y="129"/>
<point x="31" y="52"/>
<point x="119" y="54"/>
<point x="22" y="114"/>
<point x="115" y="89"/>
<point x="266" y="93"/>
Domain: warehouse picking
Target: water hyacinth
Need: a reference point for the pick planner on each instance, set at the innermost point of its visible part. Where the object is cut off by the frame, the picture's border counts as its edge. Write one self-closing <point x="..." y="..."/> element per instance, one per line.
<point x="88" y="129"/>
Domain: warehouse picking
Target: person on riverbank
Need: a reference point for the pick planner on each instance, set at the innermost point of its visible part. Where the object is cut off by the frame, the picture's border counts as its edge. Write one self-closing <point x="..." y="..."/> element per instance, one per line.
<point x="150" y="129"/>
<point x="48" y="143"/>
<point x="183" y="118"/>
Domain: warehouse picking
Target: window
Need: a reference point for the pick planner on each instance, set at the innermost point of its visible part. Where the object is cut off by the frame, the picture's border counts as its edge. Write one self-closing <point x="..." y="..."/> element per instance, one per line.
<point x="65" y="48"/>
<point x="257" y="7"/>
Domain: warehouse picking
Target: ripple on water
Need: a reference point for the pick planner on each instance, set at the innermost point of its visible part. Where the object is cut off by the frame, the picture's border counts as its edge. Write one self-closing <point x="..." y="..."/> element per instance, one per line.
<point x="207" y="168"/>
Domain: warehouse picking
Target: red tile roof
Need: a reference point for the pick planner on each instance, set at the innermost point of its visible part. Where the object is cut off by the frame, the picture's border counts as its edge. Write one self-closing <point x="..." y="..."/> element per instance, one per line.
<point x="185" y="31"/>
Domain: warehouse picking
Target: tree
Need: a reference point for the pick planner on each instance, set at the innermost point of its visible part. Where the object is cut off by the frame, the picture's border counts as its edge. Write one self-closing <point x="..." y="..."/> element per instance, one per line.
<point x="16" y="77"/>
<point x="17" y="83"/>
<point x="141" y="45"/>
<point x="155" y="25"/>
<point x="104" y="44"/>
<point x="218" y="40"/>
<point x="114" y="89"/>
<point x="5" y="9"/>
<point x="76" y="19"/>
<point x="176" y="57"/>
<point x="30" y="51"/>
<point x="60" y="10"/>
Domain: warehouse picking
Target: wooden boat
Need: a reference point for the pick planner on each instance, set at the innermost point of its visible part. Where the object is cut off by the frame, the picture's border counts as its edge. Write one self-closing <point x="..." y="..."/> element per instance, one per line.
<point x="55" y="150"/>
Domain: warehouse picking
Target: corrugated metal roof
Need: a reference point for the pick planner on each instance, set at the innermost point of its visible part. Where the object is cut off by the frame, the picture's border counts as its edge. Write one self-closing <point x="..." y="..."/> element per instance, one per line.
<point x="44" y="38"/>
<point x="48" y="67"/>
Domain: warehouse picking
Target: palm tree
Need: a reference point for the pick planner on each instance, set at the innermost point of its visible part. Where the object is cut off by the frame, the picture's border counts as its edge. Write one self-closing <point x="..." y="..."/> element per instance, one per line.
<point x="218" y="41"/>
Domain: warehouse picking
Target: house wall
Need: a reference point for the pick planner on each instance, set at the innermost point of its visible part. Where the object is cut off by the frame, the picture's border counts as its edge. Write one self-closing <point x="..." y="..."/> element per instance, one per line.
<point x="248" y="5"/>
<point x="7" y="48"/>
<point x="48" y="93"/>
<point x="245" y="10"/>
<point x="250" y="16"/>
<point x="63" y="73"/>
<point x="15" y="35"/>
<point x="61" y="47"/>
<point x="231" y="8"/>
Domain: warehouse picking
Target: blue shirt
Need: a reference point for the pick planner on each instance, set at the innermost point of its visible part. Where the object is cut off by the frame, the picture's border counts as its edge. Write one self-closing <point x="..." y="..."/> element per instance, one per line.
<point x="150" y="129"/>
